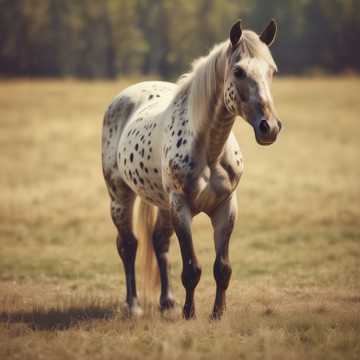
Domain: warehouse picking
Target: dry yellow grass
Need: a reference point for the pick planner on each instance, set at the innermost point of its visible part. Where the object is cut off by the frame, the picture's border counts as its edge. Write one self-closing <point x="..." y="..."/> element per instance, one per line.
<point x="295" y="290"/>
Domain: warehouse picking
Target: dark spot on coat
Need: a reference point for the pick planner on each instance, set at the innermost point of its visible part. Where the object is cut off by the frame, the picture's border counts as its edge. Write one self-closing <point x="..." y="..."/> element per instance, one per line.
<point x="131" y="157"/>
<point x="178" y="144"/>
<point x="128" y="109"/>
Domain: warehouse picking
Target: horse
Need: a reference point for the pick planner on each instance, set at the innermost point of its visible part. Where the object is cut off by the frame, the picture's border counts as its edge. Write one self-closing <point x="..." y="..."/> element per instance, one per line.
<point x="172" y="147"/>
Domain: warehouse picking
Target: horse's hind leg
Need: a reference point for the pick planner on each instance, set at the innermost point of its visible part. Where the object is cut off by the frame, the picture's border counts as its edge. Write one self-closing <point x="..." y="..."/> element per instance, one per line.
<point x="223" y="220"/>
<point x="161" y="241"/>
<point x="121" y="212"/>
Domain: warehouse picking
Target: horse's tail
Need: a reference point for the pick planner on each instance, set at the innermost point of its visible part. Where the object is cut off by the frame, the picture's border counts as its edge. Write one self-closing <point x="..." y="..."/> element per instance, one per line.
<point x="144" y="223"/>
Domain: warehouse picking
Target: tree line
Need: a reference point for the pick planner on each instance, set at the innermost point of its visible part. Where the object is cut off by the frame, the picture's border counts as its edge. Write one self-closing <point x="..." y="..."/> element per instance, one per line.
<point x="110" y="38"/>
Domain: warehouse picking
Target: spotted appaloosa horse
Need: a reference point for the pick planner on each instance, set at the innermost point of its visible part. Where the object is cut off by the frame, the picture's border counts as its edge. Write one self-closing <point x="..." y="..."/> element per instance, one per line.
<point x="172" y="146"/>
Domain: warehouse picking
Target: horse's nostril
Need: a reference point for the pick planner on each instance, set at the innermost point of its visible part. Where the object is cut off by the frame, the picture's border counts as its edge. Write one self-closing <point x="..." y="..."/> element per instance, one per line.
<point x="264" y="127"/>
<point x="279" y="125"/>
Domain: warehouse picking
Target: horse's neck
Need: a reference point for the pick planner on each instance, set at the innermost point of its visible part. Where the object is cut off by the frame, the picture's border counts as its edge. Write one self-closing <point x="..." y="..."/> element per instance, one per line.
<point x="211" y="120"/>
<point x="219" y="129"/>
<point x="215" y="125"/>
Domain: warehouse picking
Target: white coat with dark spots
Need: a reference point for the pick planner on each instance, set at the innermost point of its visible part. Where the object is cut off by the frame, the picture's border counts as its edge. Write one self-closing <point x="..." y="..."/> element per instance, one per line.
<point x="172" y="146"/>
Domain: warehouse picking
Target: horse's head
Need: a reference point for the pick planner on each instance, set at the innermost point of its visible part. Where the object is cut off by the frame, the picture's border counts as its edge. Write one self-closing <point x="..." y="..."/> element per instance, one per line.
<point x="249" y="71"/>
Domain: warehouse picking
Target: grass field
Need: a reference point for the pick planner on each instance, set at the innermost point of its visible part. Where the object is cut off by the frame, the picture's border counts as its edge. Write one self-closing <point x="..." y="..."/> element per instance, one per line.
<point x="295" y="289"/>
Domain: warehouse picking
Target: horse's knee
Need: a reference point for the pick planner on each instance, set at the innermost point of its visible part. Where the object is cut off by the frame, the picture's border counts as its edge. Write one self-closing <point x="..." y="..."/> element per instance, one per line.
<point x="222" y="272"/>
<point x="191" y="275"/>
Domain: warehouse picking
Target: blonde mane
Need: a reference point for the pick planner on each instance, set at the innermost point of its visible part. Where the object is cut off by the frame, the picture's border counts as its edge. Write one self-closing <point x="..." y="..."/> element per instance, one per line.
<point x="201" y="83"/>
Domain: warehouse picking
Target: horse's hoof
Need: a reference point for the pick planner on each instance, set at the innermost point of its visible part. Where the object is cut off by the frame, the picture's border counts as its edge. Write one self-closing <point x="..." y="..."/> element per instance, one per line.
<point x="133" y="311"/>
<point x="216" y="315"/>
<point x="171" y="311"/>
<point x="136" y="311"/>
<point x="189" y="316"/>
<point x="167" y="304"/>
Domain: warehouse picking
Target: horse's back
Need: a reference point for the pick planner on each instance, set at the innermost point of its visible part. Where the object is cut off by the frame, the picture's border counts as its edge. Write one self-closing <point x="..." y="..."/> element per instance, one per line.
<point x="142" y="93"/>
<point x="131" y="99"/>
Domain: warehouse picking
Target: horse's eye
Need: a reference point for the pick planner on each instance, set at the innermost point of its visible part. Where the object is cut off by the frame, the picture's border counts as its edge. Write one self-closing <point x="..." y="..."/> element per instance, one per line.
<point x="239" y="72"/>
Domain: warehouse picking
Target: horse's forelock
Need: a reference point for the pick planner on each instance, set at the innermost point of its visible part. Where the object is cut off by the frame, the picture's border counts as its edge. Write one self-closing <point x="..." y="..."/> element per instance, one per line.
<point x="250" y="45"/>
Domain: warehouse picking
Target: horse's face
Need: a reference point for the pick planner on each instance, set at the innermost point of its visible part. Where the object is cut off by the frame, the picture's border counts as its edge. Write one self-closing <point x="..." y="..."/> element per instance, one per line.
<point x="248" y="79"/>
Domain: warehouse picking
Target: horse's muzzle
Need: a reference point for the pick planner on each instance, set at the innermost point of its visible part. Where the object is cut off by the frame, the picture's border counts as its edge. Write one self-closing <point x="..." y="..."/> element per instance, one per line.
<point x="266" y="131"/>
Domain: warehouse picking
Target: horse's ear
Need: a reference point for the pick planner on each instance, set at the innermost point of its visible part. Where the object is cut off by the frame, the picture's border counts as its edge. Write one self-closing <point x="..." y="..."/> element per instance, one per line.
<point x="235" y="33"/>
<point x="269" y="34"/>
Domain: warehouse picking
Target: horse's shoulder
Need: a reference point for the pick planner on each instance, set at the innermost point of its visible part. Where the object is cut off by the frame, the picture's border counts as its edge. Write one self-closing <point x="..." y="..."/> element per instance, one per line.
<point x="231" y="159"/>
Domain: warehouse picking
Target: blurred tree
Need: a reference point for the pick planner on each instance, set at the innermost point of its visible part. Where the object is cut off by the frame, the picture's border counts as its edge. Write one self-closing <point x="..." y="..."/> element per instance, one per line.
<point x="120" y="37"/>
<point x="128" y="43"/>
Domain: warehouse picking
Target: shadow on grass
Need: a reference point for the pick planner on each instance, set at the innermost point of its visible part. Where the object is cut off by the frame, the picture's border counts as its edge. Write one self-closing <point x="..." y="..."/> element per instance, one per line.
<point x="60" y="318"/>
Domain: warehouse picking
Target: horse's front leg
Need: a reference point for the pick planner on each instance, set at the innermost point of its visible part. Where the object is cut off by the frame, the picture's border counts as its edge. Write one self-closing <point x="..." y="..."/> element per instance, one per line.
<point x="223" y="220"/>
<point x="181" y="218"/>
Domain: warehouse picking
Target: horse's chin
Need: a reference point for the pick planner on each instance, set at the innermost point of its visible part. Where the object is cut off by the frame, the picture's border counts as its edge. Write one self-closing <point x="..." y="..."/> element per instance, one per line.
<point x="264" y="142"/>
